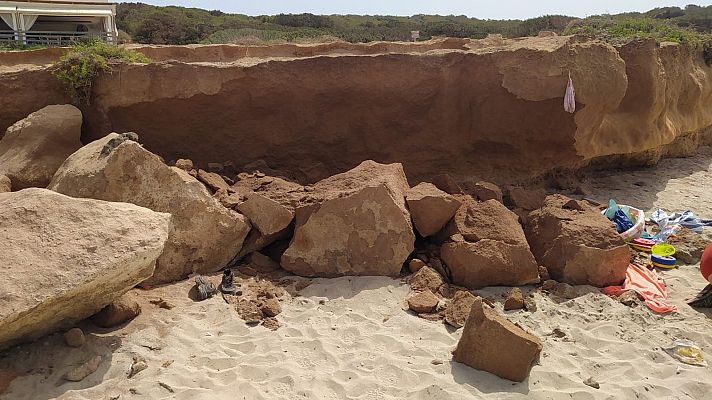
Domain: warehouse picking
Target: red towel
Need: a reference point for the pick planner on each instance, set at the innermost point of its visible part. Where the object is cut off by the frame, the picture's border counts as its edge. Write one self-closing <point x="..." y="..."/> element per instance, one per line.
<point x="646" y="283"/>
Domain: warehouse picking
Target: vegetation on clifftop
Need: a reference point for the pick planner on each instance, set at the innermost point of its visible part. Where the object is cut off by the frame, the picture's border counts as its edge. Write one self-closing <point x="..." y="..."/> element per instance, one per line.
<point x="177" y="25"/>
<point x="85" y="61"/>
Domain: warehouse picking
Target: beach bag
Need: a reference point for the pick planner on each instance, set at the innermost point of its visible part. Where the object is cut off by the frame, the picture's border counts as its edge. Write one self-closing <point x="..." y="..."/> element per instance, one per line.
<point x="570" y="97"/>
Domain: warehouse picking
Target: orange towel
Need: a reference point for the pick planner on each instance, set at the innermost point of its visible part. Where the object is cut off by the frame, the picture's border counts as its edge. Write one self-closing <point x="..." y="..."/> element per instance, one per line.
<point x="646" y="283"/>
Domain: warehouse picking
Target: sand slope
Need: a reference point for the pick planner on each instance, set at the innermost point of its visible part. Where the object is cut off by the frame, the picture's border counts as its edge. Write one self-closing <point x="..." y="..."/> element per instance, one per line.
<point x="360" y="344"/>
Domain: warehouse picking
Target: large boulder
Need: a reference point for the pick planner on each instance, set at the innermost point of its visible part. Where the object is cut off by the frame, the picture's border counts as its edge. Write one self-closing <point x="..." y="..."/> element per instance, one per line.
<point x="64" y="259"/>
<point x="33" y="148"/>
<point x="491" y="343"/>
<point x="489" y="263"/>
<point x="430" y="207"/>
<point x="579" y="247"/>
<point x="487" y="247"/>
<point x="355" y="223"/>
<point x="204" y="237"/>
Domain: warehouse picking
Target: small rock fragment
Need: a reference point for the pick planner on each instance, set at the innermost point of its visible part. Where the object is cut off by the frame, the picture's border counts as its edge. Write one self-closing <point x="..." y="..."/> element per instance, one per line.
<point x="459" y="308"/>
<point x="415" y="265"/>
<point x="167" y="387"/>
<point x="271" y="323"/>
<point x="530" y="304"/>
<point x="271" y="307"/>
<point x="83" y="370"/>
<point x="592" y="383"/>
<point x="423" y="302"/>
<point x="184" y="164"/>
<point x="74" y="337"/>
<point x="515" y="300"/>
<point x="122" y="310"/>
<point x="138" y="365"/>
<point x="629" y="298"/>
<point x="487" y="191"/>
<point x="544" y="274"/>
<point x="548" y="284"/>
<point x="212" y="180"/>
<point x="565" y="290"/>
<point x="426" y="279"/>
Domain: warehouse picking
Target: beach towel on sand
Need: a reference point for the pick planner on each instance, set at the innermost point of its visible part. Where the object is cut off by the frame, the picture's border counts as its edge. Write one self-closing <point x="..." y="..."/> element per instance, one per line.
<point x="646" y="283"/>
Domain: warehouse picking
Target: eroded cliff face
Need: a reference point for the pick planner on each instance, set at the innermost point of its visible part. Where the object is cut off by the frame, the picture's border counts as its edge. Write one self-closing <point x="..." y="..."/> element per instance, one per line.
<point x="491" y="108"/>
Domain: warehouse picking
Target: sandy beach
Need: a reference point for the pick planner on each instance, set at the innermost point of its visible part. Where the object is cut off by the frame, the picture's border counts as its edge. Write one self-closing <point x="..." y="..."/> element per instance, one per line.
<point x="352" y="337"/>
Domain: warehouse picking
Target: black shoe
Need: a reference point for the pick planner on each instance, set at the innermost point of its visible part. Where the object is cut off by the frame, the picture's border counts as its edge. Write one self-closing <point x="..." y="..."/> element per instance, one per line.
<point x="227" y="285"/>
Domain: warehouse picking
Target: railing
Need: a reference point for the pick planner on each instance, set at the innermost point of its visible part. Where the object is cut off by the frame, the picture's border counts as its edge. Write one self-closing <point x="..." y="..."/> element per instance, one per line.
<point x="54" y="38"/>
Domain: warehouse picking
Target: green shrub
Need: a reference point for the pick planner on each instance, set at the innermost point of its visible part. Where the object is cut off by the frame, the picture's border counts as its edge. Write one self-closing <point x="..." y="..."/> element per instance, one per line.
<point x="622" y="29"/>
<point x="85" y="61"/>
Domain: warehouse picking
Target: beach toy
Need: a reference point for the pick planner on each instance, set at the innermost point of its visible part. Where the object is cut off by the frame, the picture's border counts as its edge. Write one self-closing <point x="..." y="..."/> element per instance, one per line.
<point x="641" y="244"/>
<point x="644" y="242"/>
<point x="663" y="249"/>
<point x="666" y="262"/>
<point x="636" y="215"/>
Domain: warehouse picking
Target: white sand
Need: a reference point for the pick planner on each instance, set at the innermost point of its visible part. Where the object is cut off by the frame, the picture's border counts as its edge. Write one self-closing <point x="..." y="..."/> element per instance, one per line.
<point x="361" y="344"/>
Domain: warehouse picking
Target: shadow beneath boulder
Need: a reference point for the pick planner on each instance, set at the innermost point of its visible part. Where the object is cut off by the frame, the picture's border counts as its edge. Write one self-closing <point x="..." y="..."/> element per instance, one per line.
<point x="486" y="382"/>
<point x="50" y="359"/>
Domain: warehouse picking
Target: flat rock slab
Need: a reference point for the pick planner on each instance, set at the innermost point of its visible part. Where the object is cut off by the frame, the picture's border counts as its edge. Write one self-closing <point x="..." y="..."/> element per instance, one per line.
<point x="64" y="259"/>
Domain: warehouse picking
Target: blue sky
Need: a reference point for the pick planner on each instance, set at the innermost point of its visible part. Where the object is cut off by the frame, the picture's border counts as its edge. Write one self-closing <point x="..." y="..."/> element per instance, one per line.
<point x="497" y="9"/>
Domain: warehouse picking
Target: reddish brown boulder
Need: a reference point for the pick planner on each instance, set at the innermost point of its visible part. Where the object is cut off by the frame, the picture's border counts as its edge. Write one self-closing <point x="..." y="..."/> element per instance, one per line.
<point x="485" y="220"/>
<point x="487" y="246"/>
<point x="491" y="343"/>
<point x="459" y="308"/>
<point x="577" y="247"/>
<point x="212" y="180"/>
<point x="445" y="183"/>
<point x="519" y="197"/>
<point x="489" y="263"/>
<point x="484" y="191"/>
<point x="423" y="302"/>
<point x="426" y="279"/>
<point x="430" y="208"/>
<point x="355" y="223"/>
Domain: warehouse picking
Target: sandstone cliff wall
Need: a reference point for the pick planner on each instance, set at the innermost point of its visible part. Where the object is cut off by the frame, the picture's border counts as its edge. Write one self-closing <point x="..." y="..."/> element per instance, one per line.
<point x="490" y="108"/>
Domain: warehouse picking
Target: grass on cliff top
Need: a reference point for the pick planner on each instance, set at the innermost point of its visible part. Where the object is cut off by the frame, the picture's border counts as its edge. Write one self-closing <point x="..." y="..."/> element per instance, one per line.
<point x="85" y="61"/>
<point x="618" y="30"/>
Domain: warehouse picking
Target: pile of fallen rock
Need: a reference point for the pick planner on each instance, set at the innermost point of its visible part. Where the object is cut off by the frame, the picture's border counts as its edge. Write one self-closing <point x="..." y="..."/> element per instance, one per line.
<point x="94" y="221"/>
